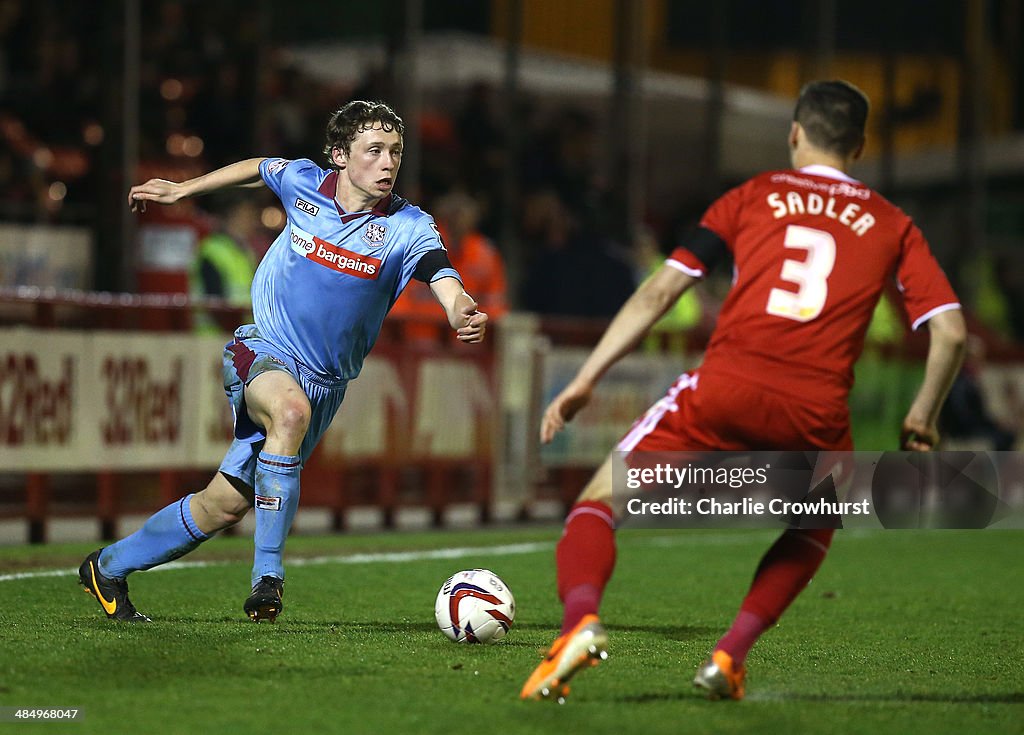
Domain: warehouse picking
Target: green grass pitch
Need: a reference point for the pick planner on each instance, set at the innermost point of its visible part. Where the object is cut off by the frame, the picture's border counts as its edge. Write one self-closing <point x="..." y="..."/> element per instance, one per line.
<point x="901" y="632"/>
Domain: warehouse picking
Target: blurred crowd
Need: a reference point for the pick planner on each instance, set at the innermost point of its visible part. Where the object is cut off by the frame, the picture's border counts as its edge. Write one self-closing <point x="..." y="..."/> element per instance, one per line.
<point x="209" y="97"/>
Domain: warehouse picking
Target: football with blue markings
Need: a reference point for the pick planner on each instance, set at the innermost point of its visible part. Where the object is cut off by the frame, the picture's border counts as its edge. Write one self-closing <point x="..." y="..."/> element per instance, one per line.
<point x="475" y="606"/>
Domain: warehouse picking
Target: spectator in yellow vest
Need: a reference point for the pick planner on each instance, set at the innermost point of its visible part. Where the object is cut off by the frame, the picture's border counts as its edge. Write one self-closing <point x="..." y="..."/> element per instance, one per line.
<point x="225" y="263"/>
<point x="671" y="331"/>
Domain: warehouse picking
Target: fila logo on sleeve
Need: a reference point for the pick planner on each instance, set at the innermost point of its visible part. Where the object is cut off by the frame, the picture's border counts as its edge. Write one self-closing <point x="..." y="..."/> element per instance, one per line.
<point x="307" y="207"/>
<point x="331" y="256"/>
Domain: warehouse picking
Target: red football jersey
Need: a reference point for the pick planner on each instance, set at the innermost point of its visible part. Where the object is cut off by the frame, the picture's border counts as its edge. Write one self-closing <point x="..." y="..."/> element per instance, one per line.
<point x="813" y="250"/>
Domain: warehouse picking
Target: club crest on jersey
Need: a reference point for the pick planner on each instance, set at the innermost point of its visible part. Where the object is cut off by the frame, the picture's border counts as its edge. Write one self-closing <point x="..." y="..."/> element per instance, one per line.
<point x="374" y="234"/>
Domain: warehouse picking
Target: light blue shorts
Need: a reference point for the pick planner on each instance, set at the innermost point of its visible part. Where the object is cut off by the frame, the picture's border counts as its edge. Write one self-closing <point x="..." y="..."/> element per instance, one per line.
<point x="249" y="355"/>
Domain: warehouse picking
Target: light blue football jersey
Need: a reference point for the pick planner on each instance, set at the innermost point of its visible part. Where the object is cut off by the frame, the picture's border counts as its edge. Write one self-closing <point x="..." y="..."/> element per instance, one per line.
<point x="323" y="289"/>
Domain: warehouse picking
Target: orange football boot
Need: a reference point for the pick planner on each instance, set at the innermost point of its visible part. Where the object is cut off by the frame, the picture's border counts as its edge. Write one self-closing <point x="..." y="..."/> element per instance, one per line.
<point x="720" y="677"/>
<point x="584" y="646"/>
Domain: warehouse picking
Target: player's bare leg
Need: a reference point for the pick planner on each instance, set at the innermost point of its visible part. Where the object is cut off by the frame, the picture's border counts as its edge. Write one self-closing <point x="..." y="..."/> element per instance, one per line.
<point x="221" y="504"/>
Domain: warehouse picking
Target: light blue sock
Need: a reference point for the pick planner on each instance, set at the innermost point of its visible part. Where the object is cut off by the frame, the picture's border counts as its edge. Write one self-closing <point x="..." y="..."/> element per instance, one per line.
<point x="168" y="534"/>
<point x="277" y="498"/>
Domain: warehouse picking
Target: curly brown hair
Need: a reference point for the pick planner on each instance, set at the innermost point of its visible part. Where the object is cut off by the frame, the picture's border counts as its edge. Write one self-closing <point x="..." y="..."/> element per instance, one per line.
<point x="353" y="118"/>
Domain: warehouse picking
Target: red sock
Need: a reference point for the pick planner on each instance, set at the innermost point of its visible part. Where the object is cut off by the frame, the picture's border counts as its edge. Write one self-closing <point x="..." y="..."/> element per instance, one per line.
<point x="784" y="571"/>
<point x="585" y="557"/>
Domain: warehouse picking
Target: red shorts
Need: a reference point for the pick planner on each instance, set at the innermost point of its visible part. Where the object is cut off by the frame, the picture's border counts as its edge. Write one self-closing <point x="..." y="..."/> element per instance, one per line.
<point x="708" y="412"/>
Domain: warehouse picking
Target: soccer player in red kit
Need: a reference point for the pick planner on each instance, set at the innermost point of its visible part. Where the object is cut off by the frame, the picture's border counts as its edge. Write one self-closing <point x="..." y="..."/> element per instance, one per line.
<point x="813" y="249"/>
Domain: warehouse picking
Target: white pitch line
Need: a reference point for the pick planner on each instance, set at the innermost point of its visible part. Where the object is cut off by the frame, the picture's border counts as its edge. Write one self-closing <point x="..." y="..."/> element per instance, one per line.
<point x="398" y="557"/>
<point x="391" y="557"/>
<point x="36" y="575"/>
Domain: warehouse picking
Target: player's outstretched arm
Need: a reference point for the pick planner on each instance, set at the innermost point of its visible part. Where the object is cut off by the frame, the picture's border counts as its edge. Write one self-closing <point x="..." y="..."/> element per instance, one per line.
<point x="460" y="308"/>
<point x="161" y="191"/>
<point x="636" y="317"/>
<point x="947" y="340"/>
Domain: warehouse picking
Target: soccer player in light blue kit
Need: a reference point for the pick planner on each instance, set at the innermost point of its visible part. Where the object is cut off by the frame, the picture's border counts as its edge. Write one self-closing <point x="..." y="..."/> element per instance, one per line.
<point x="319" y="298"/>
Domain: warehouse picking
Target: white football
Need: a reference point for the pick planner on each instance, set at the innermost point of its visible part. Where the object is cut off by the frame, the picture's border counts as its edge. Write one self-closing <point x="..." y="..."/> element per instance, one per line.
<point x="474" y="606"/>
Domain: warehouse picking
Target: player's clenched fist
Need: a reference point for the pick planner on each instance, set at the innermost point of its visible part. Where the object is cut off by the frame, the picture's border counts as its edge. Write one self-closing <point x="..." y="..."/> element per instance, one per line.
<point x="474" y="329"/>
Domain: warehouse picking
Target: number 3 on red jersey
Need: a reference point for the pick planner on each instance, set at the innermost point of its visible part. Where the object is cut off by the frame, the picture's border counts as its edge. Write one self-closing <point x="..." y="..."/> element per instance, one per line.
<point x="810" y="275"/>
